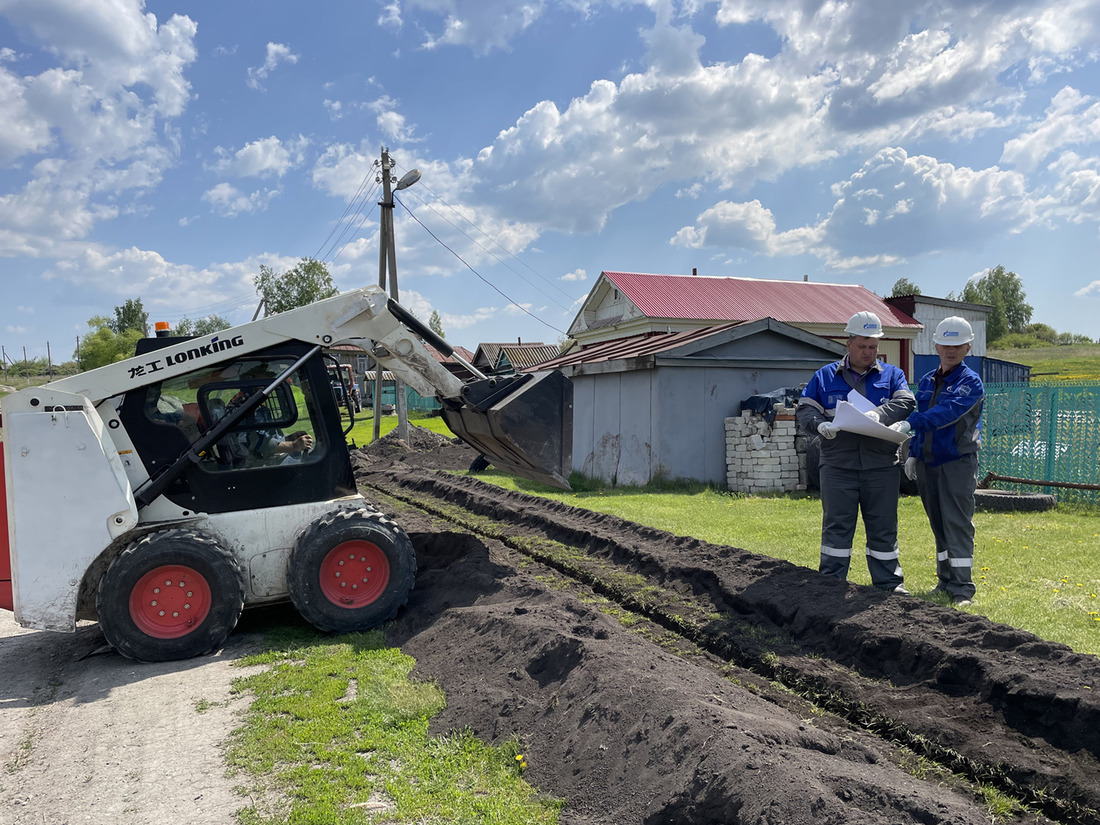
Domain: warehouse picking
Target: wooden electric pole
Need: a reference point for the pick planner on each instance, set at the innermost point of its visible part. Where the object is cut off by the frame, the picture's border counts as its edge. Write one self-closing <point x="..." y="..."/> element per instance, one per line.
<point x="387" y="263"/>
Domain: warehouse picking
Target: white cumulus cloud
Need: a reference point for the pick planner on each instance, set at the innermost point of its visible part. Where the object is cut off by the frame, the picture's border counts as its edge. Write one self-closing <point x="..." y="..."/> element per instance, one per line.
<point x="277" y="53"/>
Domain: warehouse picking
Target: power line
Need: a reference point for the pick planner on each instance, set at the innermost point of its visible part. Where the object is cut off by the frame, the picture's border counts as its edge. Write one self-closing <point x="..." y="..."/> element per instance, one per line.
<point x="210" y="309"/>
<point x="362" y="185"/>
<point x="353" y="233"/>
<point x="478" y="274"/>
<point x="497" y="243"/>
<point x="489" y="252"/>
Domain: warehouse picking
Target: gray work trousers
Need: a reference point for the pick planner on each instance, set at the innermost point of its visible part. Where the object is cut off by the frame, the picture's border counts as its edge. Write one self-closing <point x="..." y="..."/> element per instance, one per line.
<point x="846" y="493"/>
<point x="947" y="492"/>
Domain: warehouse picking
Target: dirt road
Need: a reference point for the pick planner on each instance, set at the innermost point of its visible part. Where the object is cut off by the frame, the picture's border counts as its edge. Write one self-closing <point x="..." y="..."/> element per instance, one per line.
<point x="89" y="737"/>
<point x="648" y="678"/>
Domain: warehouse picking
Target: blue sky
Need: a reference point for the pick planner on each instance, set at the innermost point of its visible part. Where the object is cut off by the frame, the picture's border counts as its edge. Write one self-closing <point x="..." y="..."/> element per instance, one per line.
<point x="166" y="150"/>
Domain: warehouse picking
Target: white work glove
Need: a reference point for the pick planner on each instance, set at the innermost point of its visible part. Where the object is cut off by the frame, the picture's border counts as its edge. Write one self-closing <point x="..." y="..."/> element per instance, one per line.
<point x="903" y="427"/>
<point x="874" y="416"/>
<point x="827" y="429"/>
<point x="911" y="468"/>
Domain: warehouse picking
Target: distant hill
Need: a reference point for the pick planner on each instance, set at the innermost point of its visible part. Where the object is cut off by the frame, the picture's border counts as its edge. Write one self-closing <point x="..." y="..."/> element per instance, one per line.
<point x="1076" y="363"/>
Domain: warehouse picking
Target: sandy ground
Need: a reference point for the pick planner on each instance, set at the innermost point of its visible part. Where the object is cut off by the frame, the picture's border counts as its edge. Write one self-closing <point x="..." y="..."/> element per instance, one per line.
<point x="89" y="737"/>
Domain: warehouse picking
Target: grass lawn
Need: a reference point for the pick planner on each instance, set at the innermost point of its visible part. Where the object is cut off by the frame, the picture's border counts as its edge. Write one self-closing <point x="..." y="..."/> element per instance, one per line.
<point x="338" y="733"/>
<point x="1072" y="364"/>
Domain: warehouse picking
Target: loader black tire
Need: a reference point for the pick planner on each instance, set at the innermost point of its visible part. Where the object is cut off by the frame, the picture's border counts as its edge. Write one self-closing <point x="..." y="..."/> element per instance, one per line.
<point x="351" y="571"/>
<point x="1007" y="501"/>
<point x="170" y="595"/>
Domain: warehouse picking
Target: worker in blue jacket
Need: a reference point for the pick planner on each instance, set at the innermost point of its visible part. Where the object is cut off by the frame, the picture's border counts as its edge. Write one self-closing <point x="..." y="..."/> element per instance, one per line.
<point x="943" y="456"/>
<point x="859" y="473"/>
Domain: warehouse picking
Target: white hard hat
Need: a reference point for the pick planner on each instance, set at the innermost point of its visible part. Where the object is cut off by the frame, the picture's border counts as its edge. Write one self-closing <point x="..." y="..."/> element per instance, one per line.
<point x="866" y="324"/>
<point x="953" y="331"/>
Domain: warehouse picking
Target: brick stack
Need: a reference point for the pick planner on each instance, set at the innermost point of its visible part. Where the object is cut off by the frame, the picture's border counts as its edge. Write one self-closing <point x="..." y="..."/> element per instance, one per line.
<point x="763" y="457"/>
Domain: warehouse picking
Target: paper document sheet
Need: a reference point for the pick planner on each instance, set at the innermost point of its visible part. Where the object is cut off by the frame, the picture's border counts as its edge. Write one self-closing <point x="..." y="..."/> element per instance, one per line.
<point x="850" y="417"/>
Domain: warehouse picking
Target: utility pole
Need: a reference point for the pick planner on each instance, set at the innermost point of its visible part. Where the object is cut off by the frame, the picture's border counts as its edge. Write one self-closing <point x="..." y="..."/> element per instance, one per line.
<point x="387" y="263"/>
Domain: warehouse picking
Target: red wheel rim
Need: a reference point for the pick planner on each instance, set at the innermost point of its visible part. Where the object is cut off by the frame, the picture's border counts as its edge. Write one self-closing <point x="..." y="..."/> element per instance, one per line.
<point x="170" y="601"/>
<point x="354" y="574"/>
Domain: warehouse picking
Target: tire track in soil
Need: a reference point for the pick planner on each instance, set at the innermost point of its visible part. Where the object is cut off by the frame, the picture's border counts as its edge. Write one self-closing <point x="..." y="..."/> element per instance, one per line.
<point x="992" y="703"/>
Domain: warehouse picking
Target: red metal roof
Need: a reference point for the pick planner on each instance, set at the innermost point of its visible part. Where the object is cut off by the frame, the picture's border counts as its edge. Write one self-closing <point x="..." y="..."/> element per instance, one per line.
<point x="707" y="298"/>
<point x="461" y="352"/>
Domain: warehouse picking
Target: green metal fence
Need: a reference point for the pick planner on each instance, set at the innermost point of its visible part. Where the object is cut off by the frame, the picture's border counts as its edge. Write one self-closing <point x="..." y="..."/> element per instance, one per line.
<point x="1044" y="432"/>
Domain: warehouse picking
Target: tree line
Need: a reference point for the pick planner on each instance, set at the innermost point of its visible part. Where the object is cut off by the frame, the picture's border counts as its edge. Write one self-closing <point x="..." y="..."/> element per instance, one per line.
<point x="1008" y="325"/>
<point x="112" y="339"/>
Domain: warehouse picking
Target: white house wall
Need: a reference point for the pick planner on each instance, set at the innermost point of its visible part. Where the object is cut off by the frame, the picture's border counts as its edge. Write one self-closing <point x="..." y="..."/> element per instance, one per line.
<point x="930" y="315"/>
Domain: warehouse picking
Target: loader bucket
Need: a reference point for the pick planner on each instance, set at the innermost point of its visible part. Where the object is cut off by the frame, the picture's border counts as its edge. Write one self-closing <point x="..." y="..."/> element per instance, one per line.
<point x="522" y="424"/>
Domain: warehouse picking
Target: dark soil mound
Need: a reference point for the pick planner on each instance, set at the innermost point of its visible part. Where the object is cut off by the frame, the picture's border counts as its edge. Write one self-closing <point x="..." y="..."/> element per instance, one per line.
<point x="652" y="678"/>
<point x="423" y="449"/>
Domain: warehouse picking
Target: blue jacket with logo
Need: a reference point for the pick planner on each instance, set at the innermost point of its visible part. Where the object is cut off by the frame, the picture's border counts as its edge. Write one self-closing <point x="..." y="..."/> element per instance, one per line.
<point x="948" y="422"/>
<point x="884" y="385"/>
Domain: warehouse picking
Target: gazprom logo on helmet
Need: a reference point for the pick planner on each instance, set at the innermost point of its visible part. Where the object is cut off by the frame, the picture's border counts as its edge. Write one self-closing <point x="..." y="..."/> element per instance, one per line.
<point x="950" y="333"/>
<point x="870" y="325"/>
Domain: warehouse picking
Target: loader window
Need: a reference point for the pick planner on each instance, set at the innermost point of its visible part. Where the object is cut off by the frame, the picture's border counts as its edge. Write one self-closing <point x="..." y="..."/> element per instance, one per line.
<point x="282" y="429"/>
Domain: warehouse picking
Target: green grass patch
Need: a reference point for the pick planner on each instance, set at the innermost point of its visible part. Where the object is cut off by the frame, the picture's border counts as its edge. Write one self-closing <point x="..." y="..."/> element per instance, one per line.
<point x="362" y="433"/>
<point x="1036" y="571"/>
<point x="1076" y="363"/>
<point x="338" y="733"/>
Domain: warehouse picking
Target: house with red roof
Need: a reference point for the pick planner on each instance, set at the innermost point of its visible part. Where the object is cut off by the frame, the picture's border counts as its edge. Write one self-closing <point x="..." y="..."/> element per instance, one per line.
<point x="662" y="360"/>
<point x="627" y="304"/>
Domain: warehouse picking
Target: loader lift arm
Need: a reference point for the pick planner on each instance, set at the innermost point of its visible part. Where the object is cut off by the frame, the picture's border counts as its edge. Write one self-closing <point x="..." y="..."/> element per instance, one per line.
<point x="522" y="423"/>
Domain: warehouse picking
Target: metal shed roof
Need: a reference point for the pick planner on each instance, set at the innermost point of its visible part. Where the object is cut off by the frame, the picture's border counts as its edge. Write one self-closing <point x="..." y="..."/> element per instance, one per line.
<point x="639" y="345"/>
<point x="524" y="356"/>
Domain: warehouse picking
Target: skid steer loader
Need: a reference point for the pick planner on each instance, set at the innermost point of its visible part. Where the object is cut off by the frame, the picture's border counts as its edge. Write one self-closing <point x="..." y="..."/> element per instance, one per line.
<point x="163" y="494"/>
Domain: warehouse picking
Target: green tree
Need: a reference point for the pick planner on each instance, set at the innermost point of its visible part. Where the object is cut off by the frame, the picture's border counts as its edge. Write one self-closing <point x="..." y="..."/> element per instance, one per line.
<point x="435" y="324"/>
<point x="309" y="281"/>
<point x="131" y="316"/>
<point x="1044" y="332"/>
<point x="1004" y="292"/>
<point x="103" y="345"/>
<point x="30" y="367"/>
<point x="903" y="286"/>
<point x="1065" y="339"/>
<point x="203" y="326"/>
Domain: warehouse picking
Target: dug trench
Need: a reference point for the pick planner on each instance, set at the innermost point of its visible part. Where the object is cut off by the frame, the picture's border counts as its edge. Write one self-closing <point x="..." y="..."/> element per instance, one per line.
<point x="652" y="678"/>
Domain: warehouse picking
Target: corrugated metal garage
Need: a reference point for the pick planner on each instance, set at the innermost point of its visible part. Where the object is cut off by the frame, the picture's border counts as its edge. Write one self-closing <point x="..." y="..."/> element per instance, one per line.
<point x="653" y="407"/>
